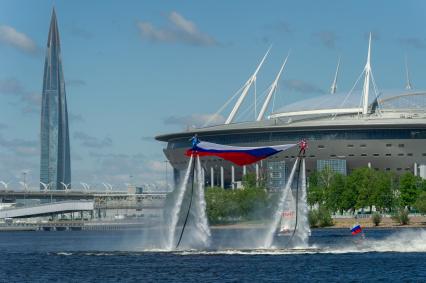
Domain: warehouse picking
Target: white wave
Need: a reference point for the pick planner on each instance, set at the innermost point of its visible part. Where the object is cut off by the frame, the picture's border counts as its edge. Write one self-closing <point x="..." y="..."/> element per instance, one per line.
<point x="401" y="241"/>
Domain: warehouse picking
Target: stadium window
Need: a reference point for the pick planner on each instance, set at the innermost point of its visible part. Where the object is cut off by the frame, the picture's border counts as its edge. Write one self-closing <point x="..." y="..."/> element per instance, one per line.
<point x="400" y="154"/>
<point x="388" y="154"/>
<point x="363" y="145"/>
<point x="388" y="145"/>
<point x="376" y="154"/>
<point x="398" y="169"/>
<point x="350" y="145"/>
<point x="387" y="169"/>
<point x="401" y="145"/>
<point x="351" y="154"/>
<point x="321" y="146"/>
<point x="424" y="154"/>
<point x="407" y="169"/>
<point x="363" y="154"/>
<point x="409" y="154"/>
<point x="311" y="156"/>
<point x="332" y="155"/>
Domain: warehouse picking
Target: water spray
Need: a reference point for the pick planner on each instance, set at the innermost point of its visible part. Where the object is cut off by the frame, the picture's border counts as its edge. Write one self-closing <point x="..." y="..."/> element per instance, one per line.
<point x="190" y="203"/>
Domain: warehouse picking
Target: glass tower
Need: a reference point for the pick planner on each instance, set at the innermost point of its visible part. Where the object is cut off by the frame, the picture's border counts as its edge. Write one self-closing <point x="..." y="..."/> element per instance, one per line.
<point x="335" y="165"/>
<point x="277" y="175"/>
<point x="55" y="165"/>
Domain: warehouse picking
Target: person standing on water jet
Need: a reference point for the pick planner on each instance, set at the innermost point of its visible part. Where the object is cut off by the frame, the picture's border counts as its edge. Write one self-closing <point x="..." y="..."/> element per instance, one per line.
<point x="194" y="140"/>
<point x="303" y="146"/>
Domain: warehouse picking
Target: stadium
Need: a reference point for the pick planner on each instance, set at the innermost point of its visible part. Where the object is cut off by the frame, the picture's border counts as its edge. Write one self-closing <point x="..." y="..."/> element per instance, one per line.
<point x="384" y="130"/>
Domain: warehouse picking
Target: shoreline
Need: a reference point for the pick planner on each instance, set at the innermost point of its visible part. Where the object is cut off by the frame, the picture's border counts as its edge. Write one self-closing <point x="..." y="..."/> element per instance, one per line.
<point x="339" y="223"/>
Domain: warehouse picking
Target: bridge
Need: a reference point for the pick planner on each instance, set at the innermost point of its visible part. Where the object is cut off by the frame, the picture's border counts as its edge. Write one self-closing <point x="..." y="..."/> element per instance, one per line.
<point x="102" y="199"/>
<point x="48" y="209"/>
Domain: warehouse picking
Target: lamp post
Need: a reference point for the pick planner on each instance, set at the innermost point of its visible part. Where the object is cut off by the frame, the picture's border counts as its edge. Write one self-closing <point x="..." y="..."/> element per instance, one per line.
<point x="24" y="174"/>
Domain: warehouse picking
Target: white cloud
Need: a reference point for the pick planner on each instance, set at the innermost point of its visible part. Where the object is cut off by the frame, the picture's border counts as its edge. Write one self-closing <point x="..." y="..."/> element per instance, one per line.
<point x="89" y="141"/>
<point x="19" y="40"/>
<point x="31" y="100"/>
<point x="25" y="148"/>
<point x="119" y="169"/>
<point x="195" y="120"/>
<point x="327" y="38"/>
<point x="302" y="86"/>
<point x="180" y="30"/>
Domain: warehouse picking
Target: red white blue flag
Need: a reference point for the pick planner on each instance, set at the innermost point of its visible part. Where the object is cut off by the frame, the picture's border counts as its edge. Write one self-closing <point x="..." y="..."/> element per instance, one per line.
<point x="236" y="154"/>
<point x="356" y="229"/>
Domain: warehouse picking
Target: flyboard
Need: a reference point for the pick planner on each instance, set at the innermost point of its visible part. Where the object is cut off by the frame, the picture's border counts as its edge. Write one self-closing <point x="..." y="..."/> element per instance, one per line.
<point x="239" y="156"/>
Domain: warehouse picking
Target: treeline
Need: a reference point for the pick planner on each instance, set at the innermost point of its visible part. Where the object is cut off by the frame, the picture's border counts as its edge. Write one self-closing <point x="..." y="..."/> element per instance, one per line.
<point x="227" y="206"/>
<point x="365" y="188"/>
<point x="328" y="193"/>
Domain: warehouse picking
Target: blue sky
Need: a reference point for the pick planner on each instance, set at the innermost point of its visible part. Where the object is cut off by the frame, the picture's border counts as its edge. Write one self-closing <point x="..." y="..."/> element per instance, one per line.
<point x="135" y="69"/>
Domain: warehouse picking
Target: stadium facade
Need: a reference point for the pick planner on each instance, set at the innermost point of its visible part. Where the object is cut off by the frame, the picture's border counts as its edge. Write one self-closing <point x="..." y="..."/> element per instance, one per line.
<point x="55" y="164"/>
<point x="385" y="131"/>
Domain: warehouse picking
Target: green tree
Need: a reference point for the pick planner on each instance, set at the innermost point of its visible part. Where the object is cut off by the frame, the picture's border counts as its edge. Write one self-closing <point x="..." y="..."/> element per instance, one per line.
<point x="232" y="205"/>
<point x="315" y="191"/>
<point x="320" y="217"/>
<point x="319" y="185"/>
<point x="249" y="180"/>
<point x="409" y="188"/>
<point x="376" y="218"/>
<point x="420" y="203"/>
<point x="401" y="217"/>
<point x="362" y="181"/>
<point x="335" y="193"/>
<point x="384" y="193"/>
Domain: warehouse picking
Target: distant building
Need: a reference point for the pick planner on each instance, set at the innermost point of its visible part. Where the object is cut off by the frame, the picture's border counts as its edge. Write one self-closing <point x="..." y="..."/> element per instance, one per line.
<point x="55" y="165"/>
<point x="335" y="165"/>
<point x="276" y="175"/>
<point x="384" y="130"/>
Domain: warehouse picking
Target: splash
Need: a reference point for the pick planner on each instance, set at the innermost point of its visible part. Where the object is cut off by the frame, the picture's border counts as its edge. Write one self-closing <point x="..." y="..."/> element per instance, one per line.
<point x="301" y="237"/>
<point x="201" y="224"/>
<point x="177" y="207"/>
<point x="280" y="207"/>
<point x="402" y="241"/>
<point x="411" y="241"/>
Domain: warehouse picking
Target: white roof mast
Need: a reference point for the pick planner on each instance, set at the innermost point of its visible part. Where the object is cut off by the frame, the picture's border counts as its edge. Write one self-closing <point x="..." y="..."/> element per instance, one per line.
<point x="367" y="74"/>
<point x="272" y="89"/>
<point x="408" y="85"/>
<point x="333" y="87"/>
<point x="247" y="86"/>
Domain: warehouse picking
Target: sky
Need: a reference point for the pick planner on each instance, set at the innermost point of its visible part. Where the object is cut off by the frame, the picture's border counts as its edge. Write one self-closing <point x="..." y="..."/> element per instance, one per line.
<point x="137" y="69"/>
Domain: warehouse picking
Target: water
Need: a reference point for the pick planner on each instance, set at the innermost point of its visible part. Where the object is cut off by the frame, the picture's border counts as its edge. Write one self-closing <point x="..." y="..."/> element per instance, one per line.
<point x="119" y="256"/>
<point x="269" y="236"/>
<point x="302" y="230"/>
<point x="196" y="230"/>
<point x="177" y="207"/>
<point x="202" y="230"/>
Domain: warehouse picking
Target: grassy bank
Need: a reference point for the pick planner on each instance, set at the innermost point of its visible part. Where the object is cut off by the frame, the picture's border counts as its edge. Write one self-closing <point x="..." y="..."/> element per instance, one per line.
<point x="387" y="222"/>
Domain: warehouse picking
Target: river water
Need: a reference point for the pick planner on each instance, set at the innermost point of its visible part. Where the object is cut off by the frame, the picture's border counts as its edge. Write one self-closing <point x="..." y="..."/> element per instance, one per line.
<point x="391" y="255"/>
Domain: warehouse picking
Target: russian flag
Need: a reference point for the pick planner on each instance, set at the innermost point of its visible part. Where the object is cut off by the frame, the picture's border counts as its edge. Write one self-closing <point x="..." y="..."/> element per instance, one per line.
<point x="238" y="155"/>
<point x="356" y="229"/>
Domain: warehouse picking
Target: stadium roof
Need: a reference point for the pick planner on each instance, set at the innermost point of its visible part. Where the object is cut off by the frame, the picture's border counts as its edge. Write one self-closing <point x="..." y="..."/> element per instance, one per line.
<point x="404" y="101"/>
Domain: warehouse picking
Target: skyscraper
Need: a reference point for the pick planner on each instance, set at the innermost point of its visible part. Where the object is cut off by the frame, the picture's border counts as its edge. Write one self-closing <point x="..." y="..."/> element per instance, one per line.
<point x="55" y="165"/>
